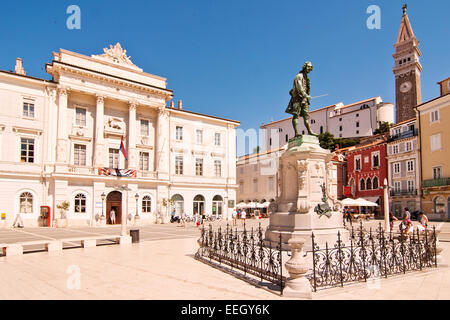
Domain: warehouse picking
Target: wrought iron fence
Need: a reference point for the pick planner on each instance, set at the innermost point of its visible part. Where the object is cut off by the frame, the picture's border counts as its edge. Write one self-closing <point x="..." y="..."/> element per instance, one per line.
<point x="370" y="255"/>
<point x="245" y="251"/>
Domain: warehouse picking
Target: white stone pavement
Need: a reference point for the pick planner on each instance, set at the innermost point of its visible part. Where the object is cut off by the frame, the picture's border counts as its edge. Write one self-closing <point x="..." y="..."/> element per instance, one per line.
<point x="166" y="269"/>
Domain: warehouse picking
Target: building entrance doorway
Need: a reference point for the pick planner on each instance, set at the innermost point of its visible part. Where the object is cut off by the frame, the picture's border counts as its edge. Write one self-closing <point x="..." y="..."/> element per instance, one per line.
<point x="114" y="208"/>
<point x="199" y="205"/>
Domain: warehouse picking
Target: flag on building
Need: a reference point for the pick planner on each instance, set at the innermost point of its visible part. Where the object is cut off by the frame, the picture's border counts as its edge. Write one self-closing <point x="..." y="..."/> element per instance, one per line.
<point x="122" y="148"/>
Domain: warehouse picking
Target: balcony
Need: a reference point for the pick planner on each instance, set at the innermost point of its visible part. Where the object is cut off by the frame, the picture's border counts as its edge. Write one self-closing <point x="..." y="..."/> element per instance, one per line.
<point x="404" y="192"/>
<point x="402" y="135"/>
<point x="436" y="183"/>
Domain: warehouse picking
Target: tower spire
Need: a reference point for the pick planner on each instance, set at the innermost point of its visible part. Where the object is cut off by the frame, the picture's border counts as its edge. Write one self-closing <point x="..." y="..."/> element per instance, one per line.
<point x="407" y="69"/>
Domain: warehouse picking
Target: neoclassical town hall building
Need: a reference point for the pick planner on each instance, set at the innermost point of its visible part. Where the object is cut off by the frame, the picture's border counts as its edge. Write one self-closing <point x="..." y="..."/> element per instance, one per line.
<point x="61" y="139"/>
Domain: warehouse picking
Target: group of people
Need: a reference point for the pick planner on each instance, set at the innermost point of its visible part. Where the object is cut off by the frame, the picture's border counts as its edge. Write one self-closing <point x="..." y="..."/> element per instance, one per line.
<point x="198" y="219"/>
<point x="239" y="214"/>
<point x="406" y="226"/>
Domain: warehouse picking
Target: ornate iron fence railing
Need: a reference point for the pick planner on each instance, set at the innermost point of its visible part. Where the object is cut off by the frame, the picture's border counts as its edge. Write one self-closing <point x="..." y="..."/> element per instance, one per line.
<point x="245" y="251"/>
<point x="370" y="255"/>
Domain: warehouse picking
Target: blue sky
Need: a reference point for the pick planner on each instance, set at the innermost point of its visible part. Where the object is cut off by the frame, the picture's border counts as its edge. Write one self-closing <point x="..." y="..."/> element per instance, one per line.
<point x="237" y="59"/>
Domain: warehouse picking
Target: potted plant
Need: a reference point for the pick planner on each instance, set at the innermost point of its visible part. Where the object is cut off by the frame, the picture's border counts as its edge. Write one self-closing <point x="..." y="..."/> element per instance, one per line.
<point x="62" y="220"/>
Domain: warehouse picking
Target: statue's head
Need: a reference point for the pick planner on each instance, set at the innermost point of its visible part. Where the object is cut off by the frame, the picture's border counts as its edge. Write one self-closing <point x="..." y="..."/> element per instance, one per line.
<point x="307" y="67"/>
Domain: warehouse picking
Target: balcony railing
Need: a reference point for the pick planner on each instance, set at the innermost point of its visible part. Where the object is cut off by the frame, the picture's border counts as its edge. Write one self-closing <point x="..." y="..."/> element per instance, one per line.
<point x="402" y="135"/>
<point x="436" y="183"/>
<point x="404" y="192"/>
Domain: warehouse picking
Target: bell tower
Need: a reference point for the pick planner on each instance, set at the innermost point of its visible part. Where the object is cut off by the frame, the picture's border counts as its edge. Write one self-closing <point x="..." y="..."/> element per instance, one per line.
<point x="407" y="71"/>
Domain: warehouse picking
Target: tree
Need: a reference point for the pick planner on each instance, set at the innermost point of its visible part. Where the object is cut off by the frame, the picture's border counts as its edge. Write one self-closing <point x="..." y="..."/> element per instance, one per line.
<point x="257" y="149"/>
<point x="384" y="127"/>
<point x="327" y="141"/>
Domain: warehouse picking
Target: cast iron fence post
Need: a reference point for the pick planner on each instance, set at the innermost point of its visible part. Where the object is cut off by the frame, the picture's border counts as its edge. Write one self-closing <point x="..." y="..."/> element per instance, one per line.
<point x="314" y="261"/>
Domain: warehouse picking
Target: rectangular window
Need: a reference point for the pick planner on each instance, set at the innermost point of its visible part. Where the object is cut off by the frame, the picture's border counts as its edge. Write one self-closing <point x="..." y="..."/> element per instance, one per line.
<point x="179" y="165"/>
<point x="27" y="150"/>
<point x="435" y="142"/>
<point x="28" y="109"/>
<point x="397" y="167"/>
<point x="340" y="128"/>
<point x="271" y="184"/>
<point x="255" y="185"/>
<point x="179" y="133"/>
<point x="434" y="116"/>
<point x="410" y="165"/>
<point x="79" y="154"/>
<point x="255" y="167"/>
<point x="144" y="161"/>
<point x="395" y="149"/>
<point x="241" y="169"/>
<point x="410" y="185"/>
<point x="217" y="141"/>
<point x="199" y="135"/>
<point x="198" y="167"/>
<point x="437" y="172"/>
<point x="357" y="124"/>
<point x="145" y="128"/>
<point x="113" y="158"/>
<point x="397" y="186"/>
<point x="241" y="187"/>
<point x="218" y="168"/>
<point x="408" y="146"/>
<point x="80" y="117"/>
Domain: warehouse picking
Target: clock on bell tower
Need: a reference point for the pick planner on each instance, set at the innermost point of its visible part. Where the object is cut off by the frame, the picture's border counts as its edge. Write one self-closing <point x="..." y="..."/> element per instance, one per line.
<point x="407" y="71"/>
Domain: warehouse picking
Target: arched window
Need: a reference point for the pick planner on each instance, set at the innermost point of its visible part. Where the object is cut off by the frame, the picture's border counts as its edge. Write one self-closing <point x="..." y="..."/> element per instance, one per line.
<point x="178" y="203"/>
<point x="199" y="204"/>
<point x="439" y="204"/>
<point x="369" y="184"/>
<point x="80" y="203"/>
<point x="26" y="202"/>
<point x="362" y="185"/>
<point x="146" y="204"/>
<point x="217" y="205"/>
<point x="375" y="183"/>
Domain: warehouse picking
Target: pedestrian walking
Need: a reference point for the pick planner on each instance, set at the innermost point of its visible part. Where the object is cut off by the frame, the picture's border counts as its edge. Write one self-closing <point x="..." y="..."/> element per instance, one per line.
<point x="243" y="216"/>
<point x="423" y="219"/>
<point x="112" y="215"/>
<point x="392" y="218"/>
<point x="234" y="217"/>
<point x="406" y="226"/>
<point x="18" y="221"/>
<point x="408" y="213"/>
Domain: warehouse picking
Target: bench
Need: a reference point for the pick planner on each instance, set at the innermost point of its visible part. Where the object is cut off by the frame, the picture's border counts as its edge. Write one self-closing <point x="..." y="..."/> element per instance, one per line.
<point x="51" y="245"/>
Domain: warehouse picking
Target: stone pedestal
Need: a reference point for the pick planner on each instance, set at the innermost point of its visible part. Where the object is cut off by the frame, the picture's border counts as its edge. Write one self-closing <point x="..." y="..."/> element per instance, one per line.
<point x="306" y="177"/>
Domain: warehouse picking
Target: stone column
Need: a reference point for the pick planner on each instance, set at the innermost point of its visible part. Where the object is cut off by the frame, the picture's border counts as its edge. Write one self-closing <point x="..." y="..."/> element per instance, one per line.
<point x="99" y="136"/>
<point x="51" y="127"/>
<point x="297" y="285"/>
<point x="162" y="144"/>
<point x="61" y="143"/>
<point x="132" y="157"/>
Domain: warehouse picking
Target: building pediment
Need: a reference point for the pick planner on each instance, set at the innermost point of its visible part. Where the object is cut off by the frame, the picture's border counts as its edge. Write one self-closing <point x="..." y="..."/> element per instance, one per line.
<point x="117" y="55"/>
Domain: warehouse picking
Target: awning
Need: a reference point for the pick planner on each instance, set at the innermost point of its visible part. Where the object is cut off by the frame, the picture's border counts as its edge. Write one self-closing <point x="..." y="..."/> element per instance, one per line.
<point x="371" y="199"/>
<point x="360" y="202"/>
<point x="241" y="205"/>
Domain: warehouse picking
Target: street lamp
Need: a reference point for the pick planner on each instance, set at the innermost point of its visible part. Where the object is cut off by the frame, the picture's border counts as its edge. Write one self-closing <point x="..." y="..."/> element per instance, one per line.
<point x="136" y="196"/>
<point x="103" y="195"/>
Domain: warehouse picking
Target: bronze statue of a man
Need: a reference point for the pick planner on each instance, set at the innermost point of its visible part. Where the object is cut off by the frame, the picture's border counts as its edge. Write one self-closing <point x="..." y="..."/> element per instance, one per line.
<point x="300" y="99"/>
